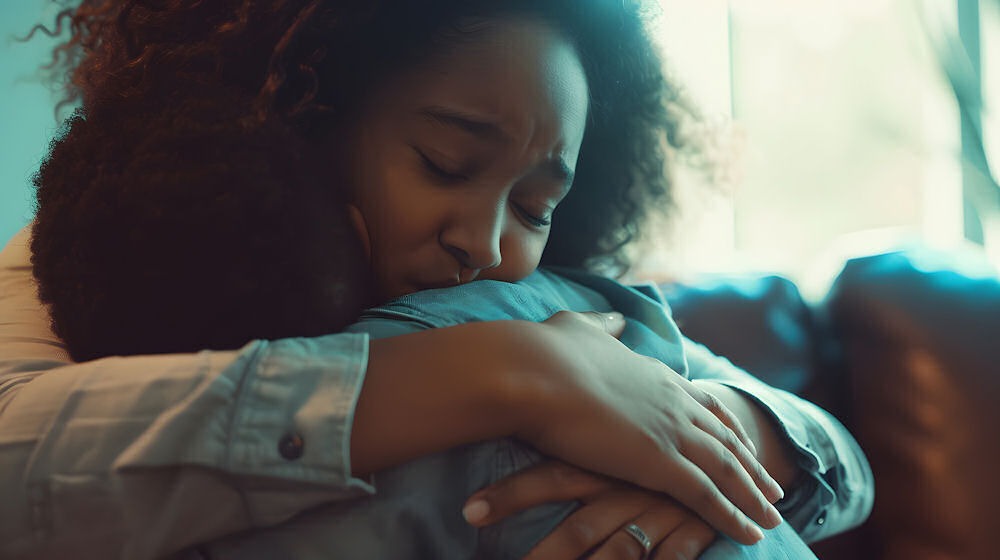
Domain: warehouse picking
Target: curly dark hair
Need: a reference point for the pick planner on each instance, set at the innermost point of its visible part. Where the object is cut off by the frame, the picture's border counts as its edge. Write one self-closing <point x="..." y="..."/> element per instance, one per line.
<point x="174" y="232"/>
<point x="300" y="70"/>
<point x="312" y="62"/>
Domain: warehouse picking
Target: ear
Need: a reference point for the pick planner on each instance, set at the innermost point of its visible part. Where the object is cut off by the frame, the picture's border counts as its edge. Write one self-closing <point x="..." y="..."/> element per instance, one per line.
<point x="361" y="228"/>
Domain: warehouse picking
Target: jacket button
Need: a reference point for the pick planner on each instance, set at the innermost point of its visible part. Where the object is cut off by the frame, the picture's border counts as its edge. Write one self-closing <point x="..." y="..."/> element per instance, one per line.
<point x="291" y="446"/>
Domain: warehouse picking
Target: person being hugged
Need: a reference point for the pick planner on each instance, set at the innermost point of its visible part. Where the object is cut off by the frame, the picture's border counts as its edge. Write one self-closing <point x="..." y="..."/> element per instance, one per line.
<point x="472" y="141"/>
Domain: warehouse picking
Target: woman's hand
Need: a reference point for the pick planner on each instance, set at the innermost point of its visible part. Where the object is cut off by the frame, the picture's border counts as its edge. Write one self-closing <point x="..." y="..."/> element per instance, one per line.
<point x="615" y="412"/>
<point x="570" y="389"/>
<point x="598" y="527"/>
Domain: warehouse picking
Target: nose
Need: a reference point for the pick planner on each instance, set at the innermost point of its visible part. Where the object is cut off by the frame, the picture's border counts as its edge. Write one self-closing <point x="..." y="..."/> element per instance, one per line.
<point x="474" y="238"/>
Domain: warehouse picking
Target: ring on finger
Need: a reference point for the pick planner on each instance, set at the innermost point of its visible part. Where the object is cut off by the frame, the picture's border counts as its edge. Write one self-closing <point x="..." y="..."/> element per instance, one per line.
<point x="641" y="537"/>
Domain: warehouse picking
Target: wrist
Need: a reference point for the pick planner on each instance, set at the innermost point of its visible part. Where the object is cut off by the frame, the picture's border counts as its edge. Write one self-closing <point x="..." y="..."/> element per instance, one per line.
<point x="436" y="389"/>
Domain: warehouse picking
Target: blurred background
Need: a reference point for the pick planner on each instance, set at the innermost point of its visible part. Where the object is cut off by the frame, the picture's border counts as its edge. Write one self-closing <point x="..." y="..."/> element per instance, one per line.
<point x="27" y="108"/>
<point x="844" y="126"/>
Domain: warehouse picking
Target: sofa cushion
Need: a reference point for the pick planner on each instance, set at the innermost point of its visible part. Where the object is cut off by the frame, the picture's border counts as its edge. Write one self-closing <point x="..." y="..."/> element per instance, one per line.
<point x="919" y="331"/>
<point x="760" y="323"/>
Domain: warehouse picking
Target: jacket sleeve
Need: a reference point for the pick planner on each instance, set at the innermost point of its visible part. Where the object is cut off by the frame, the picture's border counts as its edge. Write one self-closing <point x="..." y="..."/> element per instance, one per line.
<point x="139" y="457"/>
<point x="836" y="490"/>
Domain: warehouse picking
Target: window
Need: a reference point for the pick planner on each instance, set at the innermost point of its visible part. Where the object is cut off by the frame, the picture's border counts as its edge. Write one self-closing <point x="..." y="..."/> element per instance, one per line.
<point x="845" y="133"/>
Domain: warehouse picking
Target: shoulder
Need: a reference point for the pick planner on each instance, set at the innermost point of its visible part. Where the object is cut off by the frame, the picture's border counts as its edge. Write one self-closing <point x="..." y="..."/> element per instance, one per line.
<point x="25" y="335"/>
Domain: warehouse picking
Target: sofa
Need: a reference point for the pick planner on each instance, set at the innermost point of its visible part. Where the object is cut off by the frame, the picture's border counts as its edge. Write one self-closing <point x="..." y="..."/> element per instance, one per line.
<point x="904" y="350"/>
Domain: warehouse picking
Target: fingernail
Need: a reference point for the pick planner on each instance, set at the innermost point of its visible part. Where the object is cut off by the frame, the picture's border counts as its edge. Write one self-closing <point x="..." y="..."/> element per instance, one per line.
<point x="615" y="316"/>
<point x="756" y="533"/>
<point x="475" y="511"/>
<point x="773" y="517"/>
<point x="776" y="491"/>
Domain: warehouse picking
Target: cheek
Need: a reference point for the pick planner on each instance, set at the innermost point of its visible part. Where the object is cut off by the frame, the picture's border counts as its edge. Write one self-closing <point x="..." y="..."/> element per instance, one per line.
<point x="521" y="254"/>
<point x="395" y="212"/>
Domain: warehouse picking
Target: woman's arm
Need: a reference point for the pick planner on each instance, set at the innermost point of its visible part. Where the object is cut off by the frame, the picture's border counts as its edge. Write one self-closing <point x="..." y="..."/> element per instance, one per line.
<point x="127" y="451"/>
<point x="141" y="456"/>
<point x="774" y="451"/>
<point x="829" y="484"/>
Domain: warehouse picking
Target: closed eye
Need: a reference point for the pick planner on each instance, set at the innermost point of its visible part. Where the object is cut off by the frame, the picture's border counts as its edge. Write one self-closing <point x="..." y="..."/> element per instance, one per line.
<point x="439" y="171"/>
<point x="534" y="220"/>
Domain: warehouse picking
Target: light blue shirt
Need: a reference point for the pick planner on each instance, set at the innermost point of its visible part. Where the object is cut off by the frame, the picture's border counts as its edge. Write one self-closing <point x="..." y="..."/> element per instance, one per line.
<point x="416" y="511"/>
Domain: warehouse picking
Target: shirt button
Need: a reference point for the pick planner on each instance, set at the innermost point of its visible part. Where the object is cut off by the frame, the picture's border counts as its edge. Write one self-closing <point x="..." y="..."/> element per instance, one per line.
<point x="291" y="446"/>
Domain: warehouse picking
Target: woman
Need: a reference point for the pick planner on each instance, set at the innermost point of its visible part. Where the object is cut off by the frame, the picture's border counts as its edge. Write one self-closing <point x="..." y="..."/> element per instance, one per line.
<point x="207" y="435"/>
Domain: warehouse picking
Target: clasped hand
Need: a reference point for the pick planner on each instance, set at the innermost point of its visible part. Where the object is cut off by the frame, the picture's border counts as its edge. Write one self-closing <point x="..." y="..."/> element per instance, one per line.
<point x="633" y="419"/>
<point x="596" y="528"/>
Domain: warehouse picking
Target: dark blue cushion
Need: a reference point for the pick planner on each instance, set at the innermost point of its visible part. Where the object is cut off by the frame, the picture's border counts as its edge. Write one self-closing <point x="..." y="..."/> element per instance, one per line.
<point x="760" y="323"/>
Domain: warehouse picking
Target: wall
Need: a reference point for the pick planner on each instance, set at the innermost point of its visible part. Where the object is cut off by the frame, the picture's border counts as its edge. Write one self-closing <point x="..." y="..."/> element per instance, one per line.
<point x="27" y="117"/>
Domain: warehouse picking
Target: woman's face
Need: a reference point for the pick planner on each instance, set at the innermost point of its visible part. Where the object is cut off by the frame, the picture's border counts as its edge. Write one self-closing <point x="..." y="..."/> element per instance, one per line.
<point x="461" y="160"/>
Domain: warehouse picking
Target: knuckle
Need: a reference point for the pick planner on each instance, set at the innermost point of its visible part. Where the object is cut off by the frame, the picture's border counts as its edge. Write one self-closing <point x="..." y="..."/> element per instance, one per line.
<point x="564" y="475"/>
<point x="731" y="467"/>
<point x="732" y="439"/>
<point x="678" y="448"/>
<point x="712" y="403"/>
<point x="762" y="473"/>
<point x="707" y="495"/>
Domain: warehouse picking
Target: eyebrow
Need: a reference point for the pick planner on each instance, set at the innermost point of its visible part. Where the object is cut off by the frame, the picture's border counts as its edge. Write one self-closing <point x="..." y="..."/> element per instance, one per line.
<point x="476" y="125"/>
<point x="483" y="127"/>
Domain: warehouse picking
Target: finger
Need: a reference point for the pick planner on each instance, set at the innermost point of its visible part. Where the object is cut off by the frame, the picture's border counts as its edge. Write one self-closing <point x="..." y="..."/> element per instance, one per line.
<point x="612" y="323"/>
<point x="727" y="437"/>
<point x="658" y="523"/>
<point x="591" y="525"/>
<point x="725" y="415"/>
<point x="688" y="540"/>
<point x="693" y="488"/>
<point x="549" y="481"/>
<point x="731" y="477"/>
<point x="722" y="412"/>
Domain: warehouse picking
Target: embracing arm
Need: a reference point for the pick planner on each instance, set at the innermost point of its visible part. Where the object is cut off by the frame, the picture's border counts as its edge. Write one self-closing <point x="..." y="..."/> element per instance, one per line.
<point x="829" y="484"/>
<point x="126" y="452"/>
<point x="122" y="455"/>
<point x="142" y="456"/>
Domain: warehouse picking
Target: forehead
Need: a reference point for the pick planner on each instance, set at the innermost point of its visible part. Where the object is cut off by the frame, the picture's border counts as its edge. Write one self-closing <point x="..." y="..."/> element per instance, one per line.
<point x="518" y="70"/>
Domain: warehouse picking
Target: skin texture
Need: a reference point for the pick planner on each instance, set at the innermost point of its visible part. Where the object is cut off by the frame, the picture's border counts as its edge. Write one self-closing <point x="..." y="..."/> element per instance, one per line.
<point x="458" y="178"/>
